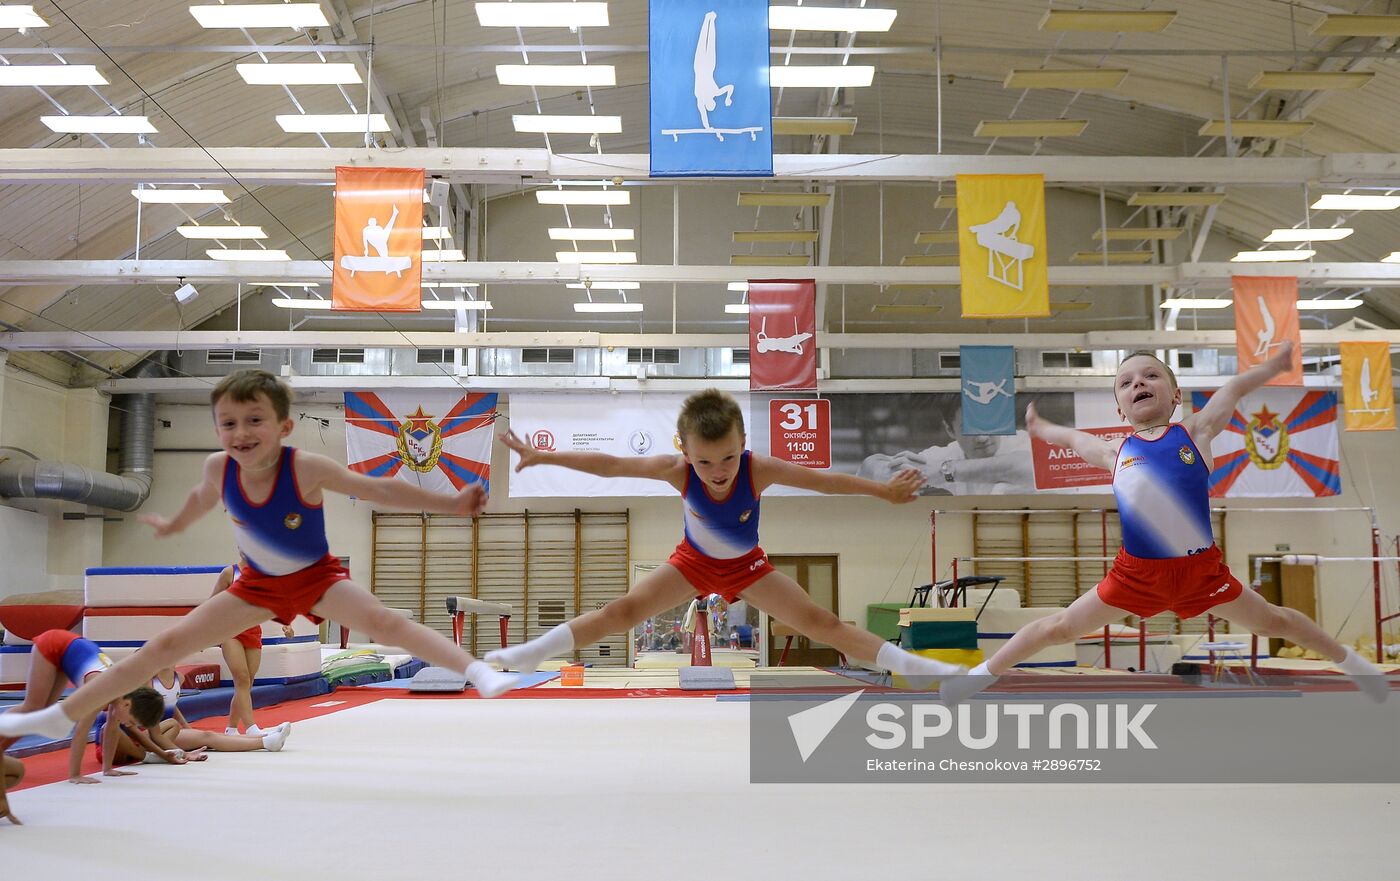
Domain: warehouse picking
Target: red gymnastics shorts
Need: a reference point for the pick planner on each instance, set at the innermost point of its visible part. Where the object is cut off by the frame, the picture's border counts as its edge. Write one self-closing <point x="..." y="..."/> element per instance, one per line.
<point x="728" y="578"/>
<point x="1188" y="586"/>
<point x="250" y="638"/>
<point x="287" y="596"/>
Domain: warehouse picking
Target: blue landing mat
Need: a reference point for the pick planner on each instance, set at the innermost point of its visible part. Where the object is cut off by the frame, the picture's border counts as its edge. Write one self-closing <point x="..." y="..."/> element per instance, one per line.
<point x="529" y="679"/>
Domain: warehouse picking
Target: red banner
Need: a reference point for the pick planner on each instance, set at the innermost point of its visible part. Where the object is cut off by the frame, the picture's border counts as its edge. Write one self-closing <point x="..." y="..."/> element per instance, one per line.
<point x="782" y="335"/>
<point x="378" y="239"/>
<point x="800" y="431"/>
<point x="1266" y="314"/>
<point x="1062" y="468"/>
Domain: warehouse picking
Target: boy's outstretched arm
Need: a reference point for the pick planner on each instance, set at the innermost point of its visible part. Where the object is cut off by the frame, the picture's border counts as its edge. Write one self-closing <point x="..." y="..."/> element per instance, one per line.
<point x="199" y="502"/>
<point x="1094" y="450"/>
<point x="1211" y="419"/>
<point x="322" y="472"/>
<point x="903" y="487"/>
<point x="603" y="465"/>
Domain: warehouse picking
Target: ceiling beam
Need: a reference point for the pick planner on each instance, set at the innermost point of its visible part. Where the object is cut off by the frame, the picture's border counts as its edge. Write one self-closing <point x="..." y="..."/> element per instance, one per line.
<point x="118" y="272"/>
<point x="316" y="165"/>
<point x="199" y="340"/>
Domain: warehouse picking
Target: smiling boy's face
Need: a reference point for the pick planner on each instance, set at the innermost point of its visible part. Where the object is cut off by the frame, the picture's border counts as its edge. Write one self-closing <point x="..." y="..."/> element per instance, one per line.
<point x="249" y="431"/>
<point x="717" y="461"/>
<point x="1145" y="392"/>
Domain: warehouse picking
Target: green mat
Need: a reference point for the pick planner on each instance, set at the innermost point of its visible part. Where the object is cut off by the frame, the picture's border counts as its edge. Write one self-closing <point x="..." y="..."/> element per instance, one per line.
<point x="939" y="635"/>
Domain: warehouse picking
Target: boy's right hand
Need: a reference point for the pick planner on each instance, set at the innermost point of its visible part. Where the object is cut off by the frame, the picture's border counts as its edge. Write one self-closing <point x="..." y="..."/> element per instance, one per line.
<point x="528" y="454"/>
<point x="163" y="527"/>
<point x="471" y="501"/>
<point x="1034" y="424"/>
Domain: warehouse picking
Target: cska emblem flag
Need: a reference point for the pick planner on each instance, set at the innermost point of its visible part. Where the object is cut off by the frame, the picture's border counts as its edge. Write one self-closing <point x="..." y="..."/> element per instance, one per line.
<point x="1279" y="443"/>
<point x="440" y="441"/>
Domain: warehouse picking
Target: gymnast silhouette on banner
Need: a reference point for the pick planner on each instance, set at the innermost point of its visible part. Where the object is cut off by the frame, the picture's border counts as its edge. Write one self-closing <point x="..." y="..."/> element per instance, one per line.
<point x="714" y="116"/>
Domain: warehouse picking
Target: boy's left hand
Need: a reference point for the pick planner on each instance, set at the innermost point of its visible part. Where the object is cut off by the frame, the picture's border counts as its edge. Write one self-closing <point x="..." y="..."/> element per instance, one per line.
<point x="904" y="486"/>
<point x="1282" y="360"/>
<point x="471" y="501"/>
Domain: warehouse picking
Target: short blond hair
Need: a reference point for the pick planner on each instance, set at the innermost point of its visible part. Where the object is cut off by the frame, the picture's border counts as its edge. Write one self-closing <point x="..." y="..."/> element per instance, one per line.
<point x="709" y="415"/>
<point x="1143" y="353"/>
<point x="246" y="385"/>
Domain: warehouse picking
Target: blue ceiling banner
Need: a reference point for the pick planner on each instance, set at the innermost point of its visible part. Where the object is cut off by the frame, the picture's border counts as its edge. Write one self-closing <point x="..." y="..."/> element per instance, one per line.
<point x="711" y="111"/>
<point x="988" y="389"/>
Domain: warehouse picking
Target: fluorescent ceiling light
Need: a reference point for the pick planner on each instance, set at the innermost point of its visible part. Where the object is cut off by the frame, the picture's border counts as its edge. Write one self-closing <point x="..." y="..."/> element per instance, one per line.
<point x="1183" y="199"/>
<point x="591" y="234"/>
<point x="274" y="283"/>
<point x="1255" y="128"/>
<point x="261" y="15"/>
<point x="450" y="284"/>
<point x="818" y="18"/>
<point x="99" y="125"/>
<point x="736" y="308"/>
<point x="1141" y="233"/>
<point x="937" y="237"/>
<point x="769" y="260"/>
<point x="315" y="73"/>
<point x="22" y="17"/>
<point x="929" y="260"/>
<point x="181" y="197"/>
<point x="568" y="125"/>
<point x="606" y="286"/>
<point x="1303" y="234"/>
<point x="1030" y="128"/>
<point x="1196" y="303"/>
<point x="1392" y="257"/>
<point x="349" y="123"/>
<point x="1311" y="80"/>
<point x="453" y="305"/>
<point x="1331" y="304"/>
<point x="446" y="255"/>
<point x="1359" y="26"/>
<point x="1356" y="202"/>
<point x="814" y="125"/>
<point x="948" y="201"/>
<point x="437" y="233"/>
<point x="553" y="15"/>
<point x="230" y="232"/>
<point x="741" y="286"/>
<point x="1070" y="306"/>
<point x="1098" y="78"/>
<point x="776" y="235"/>
<point x="51" y="75"/>
<point x="784" y="200"/>
<point x="607" y="307"/>
<point x="298" y="303"/>
<point x="1103" y="21"/>
<point x="843" y="76"/>
<point x="583" y="197"/>
<point x="1272" y="256"/>
<point x="556" y="75"/>
<point x="268" y="255"/>
<point x="1114" y="257"/>
<point x="596" y="256"/>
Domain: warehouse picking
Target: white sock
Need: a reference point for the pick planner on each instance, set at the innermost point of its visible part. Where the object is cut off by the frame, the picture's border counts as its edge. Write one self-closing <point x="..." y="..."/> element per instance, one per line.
<point x="255" y="731"/>
<point x="1367" y="676"/>
<point x="959" y="688"/>
<point x="526" y="657"/>
<point x="490" y="682"/>
<point x="897" y="660"/>
<point x="50" y="722"/>
<point x="272" y="742"/>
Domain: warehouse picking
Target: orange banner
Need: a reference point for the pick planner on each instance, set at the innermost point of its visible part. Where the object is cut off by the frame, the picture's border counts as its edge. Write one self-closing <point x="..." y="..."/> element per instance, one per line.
<point x="378" y="240"/>
<point x="1266" y="314"/>
<point x="1368" y="392"/>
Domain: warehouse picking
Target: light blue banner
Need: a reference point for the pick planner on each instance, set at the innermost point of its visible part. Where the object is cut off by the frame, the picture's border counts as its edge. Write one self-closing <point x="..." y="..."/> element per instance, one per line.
<point x="988" y="389"/>
<point x="711" y="113"/>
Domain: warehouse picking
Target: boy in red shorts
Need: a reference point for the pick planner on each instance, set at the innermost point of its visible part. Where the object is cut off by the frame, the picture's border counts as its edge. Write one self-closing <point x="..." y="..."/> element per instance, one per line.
<point x="1169" y="559"/>
<point x="273" y="494"/>
<point x="720" y="483"/>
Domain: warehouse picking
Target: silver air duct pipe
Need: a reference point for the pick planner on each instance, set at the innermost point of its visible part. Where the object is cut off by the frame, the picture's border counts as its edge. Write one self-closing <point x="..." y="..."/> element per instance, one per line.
<point x="127" y="491"/>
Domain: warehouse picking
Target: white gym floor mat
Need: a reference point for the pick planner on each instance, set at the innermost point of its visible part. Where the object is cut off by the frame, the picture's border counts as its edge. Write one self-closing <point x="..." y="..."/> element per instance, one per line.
<point x="646" y="789"/>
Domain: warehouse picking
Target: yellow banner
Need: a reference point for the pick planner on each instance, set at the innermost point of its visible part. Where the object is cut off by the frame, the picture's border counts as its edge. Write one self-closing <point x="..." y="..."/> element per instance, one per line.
<point x="1368" y="394"/>
<point x="1001" y="246"/>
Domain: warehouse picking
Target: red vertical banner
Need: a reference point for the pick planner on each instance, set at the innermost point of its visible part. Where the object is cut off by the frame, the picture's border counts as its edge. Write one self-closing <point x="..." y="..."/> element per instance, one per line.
<point x="378" y="239"/>
<point x="1266" y="314"/>
<point x="782" y="335"/>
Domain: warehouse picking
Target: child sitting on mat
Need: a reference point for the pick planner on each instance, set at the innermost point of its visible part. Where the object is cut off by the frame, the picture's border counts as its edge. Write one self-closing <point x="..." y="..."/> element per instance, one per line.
<point x="176" y="737"/>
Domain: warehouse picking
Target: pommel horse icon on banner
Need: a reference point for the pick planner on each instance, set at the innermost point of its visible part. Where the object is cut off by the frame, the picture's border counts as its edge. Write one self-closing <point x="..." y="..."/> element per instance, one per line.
<point x="707" y="90"/>
<point x="376" y="237"/>
<point x="790" y="344"/>
<point x="1005" y="256"/>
